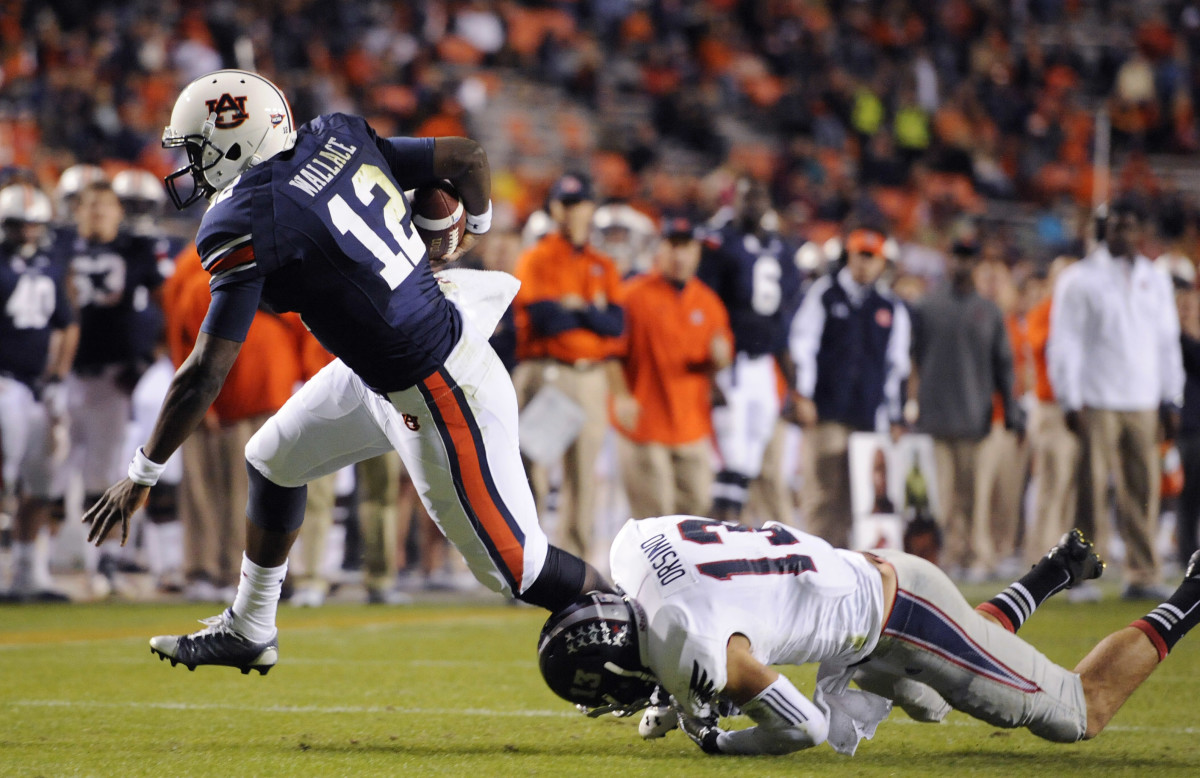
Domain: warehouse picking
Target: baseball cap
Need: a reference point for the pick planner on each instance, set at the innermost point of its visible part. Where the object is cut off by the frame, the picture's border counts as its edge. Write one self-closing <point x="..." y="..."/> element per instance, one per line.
<point x="571" y="188"/>
<point x="863" y="241"/>
<point x="675" y="227"/>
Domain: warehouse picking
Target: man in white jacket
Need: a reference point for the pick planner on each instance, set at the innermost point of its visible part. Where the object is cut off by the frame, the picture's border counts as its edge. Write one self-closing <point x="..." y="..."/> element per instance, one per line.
<point x="1116" y="367"/>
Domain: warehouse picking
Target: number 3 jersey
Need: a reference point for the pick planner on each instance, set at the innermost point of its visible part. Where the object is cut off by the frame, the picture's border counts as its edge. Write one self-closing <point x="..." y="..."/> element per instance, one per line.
<point x="327" y="227"/>
<point x="698" y="582"/>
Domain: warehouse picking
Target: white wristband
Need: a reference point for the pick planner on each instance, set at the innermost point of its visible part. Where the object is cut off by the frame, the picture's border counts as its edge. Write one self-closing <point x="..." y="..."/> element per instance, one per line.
<point x="481" y="223"/>
<point x="144" y="471"/>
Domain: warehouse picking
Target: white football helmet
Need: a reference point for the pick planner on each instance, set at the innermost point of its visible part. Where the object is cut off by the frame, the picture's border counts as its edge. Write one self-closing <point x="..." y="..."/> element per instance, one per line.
<point x="73" y="181"/>
<point x="136" y="184"/>
<point x="227" y="121"/>
<point x="25" y="203"/>
<point x="25" y="212"/>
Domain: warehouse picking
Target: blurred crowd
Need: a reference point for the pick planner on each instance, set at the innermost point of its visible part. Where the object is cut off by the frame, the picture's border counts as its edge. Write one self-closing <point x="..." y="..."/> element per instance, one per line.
<point x="930" y="166"/>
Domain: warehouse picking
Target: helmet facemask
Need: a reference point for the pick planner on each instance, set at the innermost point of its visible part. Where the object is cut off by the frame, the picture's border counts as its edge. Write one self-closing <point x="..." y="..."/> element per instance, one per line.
<point x="203" y="155"/>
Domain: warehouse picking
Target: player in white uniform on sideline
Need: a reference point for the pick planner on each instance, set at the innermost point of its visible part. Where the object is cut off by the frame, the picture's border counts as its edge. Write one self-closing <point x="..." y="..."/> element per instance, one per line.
<point x="710" y="607"/>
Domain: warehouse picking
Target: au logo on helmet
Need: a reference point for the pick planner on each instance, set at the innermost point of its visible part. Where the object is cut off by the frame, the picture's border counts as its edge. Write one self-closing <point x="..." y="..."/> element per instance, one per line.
<point x="227" y="102"/>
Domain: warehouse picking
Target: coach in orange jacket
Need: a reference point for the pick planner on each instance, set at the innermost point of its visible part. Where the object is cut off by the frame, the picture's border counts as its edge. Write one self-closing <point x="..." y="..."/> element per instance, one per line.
<point x="676" y="336"/>
<point x="569" y="319"/>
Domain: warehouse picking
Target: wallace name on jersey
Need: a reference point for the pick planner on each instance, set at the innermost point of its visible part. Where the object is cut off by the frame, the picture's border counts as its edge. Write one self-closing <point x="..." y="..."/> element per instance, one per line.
<point x="323" y="167"/>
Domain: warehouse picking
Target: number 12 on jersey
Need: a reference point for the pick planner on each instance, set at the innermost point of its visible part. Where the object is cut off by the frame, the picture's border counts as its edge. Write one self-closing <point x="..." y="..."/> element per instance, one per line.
<point x="396" y="264"/>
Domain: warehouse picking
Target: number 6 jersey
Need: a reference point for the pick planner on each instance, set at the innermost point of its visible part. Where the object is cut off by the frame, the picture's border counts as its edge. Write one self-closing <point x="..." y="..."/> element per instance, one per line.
<point x="327" y="227"/>
<point x="795" y="597"/>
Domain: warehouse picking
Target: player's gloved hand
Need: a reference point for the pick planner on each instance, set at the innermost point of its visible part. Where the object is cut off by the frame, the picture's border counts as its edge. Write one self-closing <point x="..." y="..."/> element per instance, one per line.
<point x="660" y="718"/>
<point x="657" y="721"/>
<point x="702" y="731"/>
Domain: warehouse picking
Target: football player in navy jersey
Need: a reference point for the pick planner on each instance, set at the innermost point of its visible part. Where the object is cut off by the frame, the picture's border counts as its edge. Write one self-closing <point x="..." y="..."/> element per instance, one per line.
<point x="752" y="270"/>
<point x="114" y="273"/>
<point x="314" y="220"/>
<point x="38" y="335"/>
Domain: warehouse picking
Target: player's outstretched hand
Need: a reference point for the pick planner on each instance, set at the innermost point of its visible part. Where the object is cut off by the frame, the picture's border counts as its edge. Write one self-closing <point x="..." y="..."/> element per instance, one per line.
<point x="702" y="731"/>
<point x="116" y="506"/>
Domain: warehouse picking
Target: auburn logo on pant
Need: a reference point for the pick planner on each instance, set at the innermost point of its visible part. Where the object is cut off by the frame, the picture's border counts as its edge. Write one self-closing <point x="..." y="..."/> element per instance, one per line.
<point x="227" y="102"/>
<point x="411" y="422"/>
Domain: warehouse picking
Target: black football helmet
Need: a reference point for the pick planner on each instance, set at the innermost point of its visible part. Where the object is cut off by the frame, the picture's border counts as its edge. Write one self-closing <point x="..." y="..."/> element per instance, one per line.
<point x="588" y="654"/>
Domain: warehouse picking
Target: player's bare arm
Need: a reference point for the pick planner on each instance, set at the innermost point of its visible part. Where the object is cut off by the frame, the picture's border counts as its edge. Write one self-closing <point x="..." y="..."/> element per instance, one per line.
<point x="464" y="163"/>
<point x="747" y="677"/>
<point x="192" y="391"/>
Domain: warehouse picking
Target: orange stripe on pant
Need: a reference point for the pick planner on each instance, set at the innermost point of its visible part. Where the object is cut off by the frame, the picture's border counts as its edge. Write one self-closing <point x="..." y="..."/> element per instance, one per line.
<point x="457" y="433"/>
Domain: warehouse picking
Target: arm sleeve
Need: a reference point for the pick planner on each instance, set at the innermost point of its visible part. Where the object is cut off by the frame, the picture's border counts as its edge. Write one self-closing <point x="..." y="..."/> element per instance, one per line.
<point x="411" y="160"/>
<point x="804" y="338"/>
<point x="899" y="363"/>
<point x="232" y="309"/>
<point x="785" y="721"/>
<point x="1064" y="347"/>
<point x="609" y="322"/>
<point x="549" y="318"/>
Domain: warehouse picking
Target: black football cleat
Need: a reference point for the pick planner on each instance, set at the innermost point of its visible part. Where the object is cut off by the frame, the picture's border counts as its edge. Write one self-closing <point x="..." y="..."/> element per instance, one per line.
<point x="217" y="644"/>
<point x="1193" y="567"/>
<point x="1077" y="556"/>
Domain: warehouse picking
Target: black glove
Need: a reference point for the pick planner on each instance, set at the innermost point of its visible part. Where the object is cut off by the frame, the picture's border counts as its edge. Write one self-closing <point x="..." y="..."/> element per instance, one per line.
<point x="703" y="732"/>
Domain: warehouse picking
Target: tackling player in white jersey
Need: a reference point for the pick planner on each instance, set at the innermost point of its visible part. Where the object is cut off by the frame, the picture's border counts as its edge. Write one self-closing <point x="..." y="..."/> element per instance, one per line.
<point x="709" y="607"/>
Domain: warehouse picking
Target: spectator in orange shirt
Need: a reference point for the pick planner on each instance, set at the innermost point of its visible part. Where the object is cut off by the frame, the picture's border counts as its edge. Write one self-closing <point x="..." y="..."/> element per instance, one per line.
<point x="676" y="336"/>
<point x="568" y="318"/>
<point x="214" y="489"/>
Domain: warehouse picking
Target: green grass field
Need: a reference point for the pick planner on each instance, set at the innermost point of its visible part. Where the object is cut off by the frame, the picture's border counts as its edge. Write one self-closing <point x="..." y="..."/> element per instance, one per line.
<point x="453" y="689"/>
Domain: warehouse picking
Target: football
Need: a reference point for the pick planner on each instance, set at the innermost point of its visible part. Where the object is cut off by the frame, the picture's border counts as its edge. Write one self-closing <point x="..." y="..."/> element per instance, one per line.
<point x="438" y="215"/>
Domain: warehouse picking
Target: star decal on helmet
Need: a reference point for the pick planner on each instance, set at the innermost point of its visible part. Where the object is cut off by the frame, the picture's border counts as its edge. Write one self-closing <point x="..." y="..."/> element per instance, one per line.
<point x="597" y="633"/>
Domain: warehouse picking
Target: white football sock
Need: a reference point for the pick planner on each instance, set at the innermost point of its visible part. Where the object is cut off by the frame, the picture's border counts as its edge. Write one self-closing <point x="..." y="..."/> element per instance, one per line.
<point x="257" y="600"/>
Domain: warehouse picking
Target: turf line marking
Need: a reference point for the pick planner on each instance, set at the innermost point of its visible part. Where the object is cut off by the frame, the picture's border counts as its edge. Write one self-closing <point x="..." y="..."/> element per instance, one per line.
<point x="369" y="709"/>
<point x="426" y="620"/>
<point x="480" y="712"/>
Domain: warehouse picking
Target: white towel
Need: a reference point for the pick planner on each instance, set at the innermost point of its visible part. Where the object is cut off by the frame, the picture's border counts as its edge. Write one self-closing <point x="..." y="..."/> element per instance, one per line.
<point x="481" y="295"/>
<point x="853" y="714"/>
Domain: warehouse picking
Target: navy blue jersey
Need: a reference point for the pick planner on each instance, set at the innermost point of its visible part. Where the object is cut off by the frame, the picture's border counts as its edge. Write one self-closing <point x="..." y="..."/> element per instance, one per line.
<point x="113" y="285"/>
<point x="33" y="296"/>
<point x="327" y="228"/>
<point x="759" y="284"/>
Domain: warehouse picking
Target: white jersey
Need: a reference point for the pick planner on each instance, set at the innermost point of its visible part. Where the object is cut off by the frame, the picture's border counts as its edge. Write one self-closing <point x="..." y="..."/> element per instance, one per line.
<point x="796" y="598"/>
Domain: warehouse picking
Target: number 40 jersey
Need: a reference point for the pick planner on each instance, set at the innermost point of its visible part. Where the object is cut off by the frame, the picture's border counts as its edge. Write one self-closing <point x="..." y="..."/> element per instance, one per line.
<point x="327" y="226"/>
<point x="796" y="598"/>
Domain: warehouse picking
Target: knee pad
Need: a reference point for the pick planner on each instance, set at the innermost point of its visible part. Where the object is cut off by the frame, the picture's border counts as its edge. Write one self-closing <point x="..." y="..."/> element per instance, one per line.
<point x="273" y="507"/>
